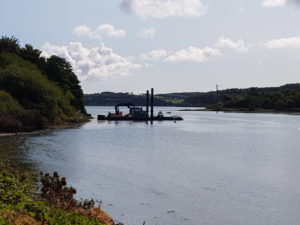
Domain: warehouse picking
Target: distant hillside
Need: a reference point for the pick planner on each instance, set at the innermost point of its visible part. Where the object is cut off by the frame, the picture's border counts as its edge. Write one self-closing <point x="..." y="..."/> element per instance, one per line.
<point x="111" y="99"/>
<point x="273" y="97"/>
<point x="284" y="98"/>
<point x="36" y="91"/>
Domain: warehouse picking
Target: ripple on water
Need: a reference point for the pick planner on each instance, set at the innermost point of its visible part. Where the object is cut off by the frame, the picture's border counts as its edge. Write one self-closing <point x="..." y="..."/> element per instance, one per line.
<point x="229" y="168"/>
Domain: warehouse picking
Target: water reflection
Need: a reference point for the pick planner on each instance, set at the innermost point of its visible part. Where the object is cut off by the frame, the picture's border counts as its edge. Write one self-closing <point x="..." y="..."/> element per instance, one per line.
<point x="13" y="150"/>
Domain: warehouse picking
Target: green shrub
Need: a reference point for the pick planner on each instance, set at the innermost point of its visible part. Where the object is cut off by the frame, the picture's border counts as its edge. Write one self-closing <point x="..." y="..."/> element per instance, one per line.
<point x="9" y="105"/>
<point x="18" y="197"/>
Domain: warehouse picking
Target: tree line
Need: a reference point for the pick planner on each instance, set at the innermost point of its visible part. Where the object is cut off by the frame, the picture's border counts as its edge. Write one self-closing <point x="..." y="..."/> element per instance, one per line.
<point x="283" y="98"/>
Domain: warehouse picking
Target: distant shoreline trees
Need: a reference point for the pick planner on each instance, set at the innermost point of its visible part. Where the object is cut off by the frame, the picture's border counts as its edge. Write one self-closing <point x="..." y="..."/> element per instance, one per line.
<point x="284" y="98"/>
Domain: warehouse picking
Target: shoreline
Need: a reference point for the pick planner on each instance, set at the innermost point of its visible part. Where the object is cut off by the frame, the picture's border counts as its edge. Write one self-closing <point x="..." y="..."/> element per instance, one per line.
<point x="23" y="133"/>
<point x="242" y="111"/>
<point x="49" y="128"/>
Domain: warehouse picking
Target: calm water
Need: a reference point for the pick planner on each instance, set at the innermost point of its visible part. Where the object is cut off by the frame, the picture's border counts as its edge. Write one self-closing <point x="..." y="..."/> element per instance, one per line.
<point x="226" y="168"/>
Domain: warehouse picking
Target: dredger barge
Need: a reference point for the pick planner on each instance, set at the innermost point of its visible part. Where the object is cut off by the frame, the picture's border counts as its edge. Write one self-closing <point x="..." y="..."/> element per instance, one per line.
<point x="137" y="113"/>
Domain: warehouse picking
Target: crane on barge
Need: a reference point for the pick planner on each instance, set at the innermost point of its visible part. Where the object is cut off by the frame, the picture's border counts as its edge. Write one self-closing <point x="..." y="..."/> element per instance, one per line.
<point x="137" y="113"/>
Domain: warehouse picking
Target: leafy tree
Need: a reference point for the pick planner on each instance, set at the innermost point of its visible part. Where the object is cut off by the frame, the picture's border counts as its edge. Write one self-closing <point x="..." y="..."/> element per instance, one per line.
<point x="60" y="71"/>
<point x="34" y="56"/>
<point x="9" y="44"/>
<point x="35" y="90"/>
<point x="32" y="89"/>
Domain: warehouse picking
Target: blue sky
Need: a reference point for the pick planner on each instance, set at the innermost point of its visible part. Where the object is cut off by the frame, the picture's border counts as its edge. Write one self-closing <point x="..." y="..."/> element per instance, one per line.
<point x="171" y="45"/>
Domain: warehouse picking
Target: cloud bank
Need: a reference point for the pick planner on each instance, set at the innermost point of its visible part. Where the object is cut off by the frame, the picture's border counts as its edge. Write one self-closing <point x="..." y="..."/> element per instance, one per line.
<point x="98" y="33"/>
<point x="98" y="62"/>
<point x="197" y="54"/>
<point x="163" y="8"/>
<point x="190" y="54"/>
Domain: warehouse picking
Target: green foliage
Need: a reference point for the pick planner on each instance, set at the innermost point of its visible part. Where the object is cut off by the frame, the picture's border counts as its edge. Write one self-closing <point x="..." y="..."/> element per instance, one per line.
<point x="55" y="190"/>
<point x="60" y="71"/>
<point x="200" y="99"/>
<point x="88" y="203"/>
<point x="286" y="98"/>
<point x="33" y="90"/>
<point x="173" y="100"/>
<point x="70" y="218"/>
<point x="18" y="199"/>
<point x="41" y="211"/>
<point x="9" y="105"/>
<point x="9" y="45"/>
<point x="14" y="186"/>
<point x="34" y="56"/>
<point x="31" y="84"/>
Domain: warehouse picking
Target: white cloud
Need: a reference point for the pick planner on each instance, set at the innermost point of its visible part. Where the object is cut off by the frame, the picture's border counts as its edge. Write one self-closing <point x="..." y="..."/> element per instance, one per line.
<point x="154" y="55"/>
<point x="101" y="31"/>
<point x="98" y="62"/>
<point x="194" y="54"/>
<point x="279" y="3"/>
<point x="163" y="8"/>
<point x="146" y="33"/>
<point x="238" y="46"/>
<point x="292" y="42"/>
<point x="274" y="3"/>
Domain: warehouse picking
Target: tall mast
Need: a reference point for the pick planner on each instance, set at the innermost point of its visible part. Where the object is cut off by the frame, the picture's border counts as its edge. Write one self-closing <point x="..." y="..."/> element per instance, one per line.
<point x="217" y="92"/>
<point x="152" y="93"/>
<point x="147" y="105"/>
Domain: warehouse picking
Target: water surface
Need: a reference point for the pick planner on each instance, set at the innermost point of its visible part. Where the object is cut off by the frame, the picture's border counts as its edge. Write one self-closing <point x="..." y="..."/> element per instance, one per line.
<point x="226" y="168"/>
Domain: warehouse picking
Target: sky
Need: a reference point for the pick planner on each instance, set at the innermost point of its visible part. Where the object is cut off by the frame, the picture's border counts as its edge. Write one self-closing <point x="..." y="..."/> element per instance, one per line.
<point x="171" y="45"/>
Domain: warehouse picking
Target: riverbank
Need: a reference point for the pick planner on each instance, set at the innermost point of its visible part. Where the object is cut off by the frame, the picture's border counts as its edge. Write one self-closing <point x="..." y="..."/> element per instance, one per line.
<point x="22" y="201"/>
<point x="48" y="127"/>
<point x="242" y="111"/>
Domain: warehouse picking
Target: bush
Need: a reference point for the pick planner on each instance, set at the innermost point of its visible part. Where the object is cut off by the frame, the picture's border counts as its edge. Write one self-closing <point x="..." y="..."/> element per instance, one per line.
<point x="55" y="190"/>
<point x="20" y="204"/>
<point x="9" y="105"/>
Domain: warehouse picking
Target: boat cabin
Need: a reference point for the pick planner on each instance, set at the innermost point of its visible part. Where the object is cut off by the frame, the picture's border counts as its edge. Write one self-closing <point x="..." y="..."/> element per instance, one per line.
<point x="138" y="112"/>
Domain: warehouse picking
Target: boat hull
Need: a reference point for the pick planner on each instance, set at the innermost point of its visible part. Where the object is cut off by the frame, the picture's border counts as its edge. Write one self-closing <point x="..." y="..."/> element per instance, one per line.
<point x="124" y="118"/>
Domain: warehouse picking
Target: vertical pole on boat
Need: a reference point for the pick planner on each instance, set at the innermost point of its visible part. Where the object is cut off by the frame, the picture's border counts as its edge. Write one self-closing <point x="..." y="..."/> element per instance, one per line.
<point x="217" y="90"/>
<point x="152" y="93"/>
<point x="147" y="105"/>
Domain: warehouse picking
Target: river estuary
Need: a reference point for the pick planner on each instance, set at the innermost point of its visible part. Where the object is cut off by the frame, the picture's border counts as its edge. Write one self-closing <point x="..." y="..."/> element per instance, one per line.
<point x="212" y="169"/>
